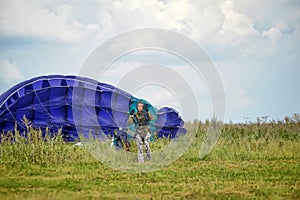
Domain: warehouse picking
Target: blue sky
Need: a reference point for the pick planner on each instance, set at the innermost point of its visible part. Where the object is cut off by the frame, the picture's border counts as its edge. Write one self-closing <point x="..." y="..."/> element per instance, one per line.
<point x="254" y="44"/>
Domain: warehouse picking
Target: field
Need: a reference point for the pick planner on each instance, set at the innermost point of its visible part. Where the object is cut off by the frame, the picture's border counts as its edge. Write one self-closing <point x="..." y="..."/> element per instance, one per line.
<point x="252" y="160"/>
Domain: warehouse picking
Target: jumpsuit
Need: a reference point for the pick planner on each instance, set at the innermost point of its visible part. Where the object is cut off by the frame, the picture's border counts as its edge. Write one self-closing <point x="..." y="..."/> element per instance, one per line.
<point x="141" y="120"/>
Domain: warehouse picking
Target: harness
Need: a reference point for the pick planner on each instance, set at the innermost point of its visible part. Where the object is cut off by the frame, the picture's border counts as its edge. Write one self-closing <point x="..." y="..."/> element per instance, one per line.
<point x="141" y="118"/>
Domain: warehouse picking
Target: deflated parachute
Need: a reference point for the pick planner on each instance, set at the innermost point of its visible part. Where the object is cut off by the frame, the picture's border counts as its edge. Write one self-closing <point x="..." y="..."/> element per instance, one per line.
<point x="78" y="105"/>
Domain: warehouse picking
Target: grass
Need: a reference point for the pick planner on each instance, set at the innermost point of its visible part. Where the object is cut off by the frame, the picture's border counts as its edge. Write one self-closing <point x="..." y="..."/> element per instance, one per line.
<point x="251" y="160"/>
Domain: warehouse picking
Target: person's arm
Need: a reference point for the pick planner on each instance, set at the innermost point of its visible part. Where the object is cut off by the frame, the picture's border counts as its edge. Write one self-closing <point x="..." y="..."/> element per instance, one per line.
<point x="151" y="117"/>
<point x="135" y="120"/>
<point x="130" y="120"/>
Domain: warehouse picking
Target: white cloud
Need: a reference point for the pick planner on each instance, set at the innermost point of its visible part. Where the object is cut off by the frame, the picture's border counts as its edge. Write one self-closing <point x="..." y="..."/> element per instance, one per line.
<point x="273" y="34"/>
<point x="218" y="22"/>
<point x="33" y="19"/>
<point x="214" y="22"/>
<point x="236" y="26"/>
<point x="189" y="18"/>
<point x="277" y="31"/>
<point x="9" y="72"/>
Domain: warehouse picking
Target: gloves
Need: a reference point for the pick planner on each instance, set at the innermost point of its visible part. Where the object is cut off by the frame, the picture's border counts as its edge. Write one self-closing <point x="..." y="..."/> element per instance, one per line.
<point x="132" y="112"/>
<point x="146" y="108"/>
<point x="135" y="120"/>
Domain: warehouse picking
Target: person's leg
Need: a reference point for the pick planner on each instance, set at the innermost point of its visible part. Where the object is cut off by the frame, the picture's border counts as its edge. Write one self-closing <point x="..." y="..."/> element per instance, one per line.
<point x="147" y="146"/>
<point x="139" y="143"/>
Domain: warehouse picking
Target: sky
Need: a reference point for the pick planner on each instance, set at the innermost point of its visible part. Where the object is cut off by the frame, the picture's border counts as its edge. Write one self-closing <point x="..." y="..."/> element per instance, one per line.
<point x="254" y="46"/>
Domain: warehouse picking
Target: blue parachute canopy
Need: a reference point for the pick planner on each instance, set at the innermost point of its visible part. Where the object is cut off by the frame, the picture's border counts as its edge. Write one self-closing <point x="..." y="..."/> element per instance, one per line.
<point x="78" y="105"/>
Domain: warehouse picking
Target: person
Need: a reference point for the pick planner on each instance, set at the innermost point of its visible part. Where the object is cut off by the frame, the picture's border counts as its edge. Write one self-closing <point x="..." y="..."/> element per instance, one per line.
<point x="120" y="139"/>
<point x="141" y="119"/>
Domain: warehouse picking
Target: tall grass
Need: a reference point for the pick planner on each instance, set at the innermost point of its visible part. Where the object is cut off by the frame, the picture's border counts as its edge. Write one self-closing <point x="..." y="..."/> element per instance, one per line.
<point x="37" y="147"/>
<point x="252" y="140"/>
<point x="263" y="139"/>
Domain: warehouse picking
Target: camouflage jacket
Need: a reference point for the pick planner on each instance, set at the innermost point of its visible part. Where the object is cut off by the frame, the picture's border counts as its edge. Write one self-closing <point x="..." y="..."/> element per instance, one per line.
<point x="140" y="118"/>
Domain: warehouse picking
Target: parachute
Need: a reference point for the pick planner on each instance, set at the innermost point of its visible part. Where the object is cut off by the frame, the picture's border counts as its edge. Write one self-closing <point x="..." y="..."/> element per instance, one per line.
<point x="78" y="105"/>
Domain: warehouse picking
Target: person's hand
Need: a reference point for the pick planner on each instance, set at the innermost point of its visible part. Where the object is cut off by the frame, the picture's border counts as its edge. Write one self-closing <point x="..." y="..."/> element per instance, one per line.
<point x="132" y="112"/>
<point x="146" y="108"/>
<point x="134" y="136"/>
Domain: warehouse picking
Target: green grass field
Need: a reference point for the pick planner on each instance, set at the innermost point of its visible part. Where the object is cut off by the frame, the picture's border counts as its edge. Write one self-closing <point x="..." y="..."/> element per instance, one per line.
<point x="253" y="160"/>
